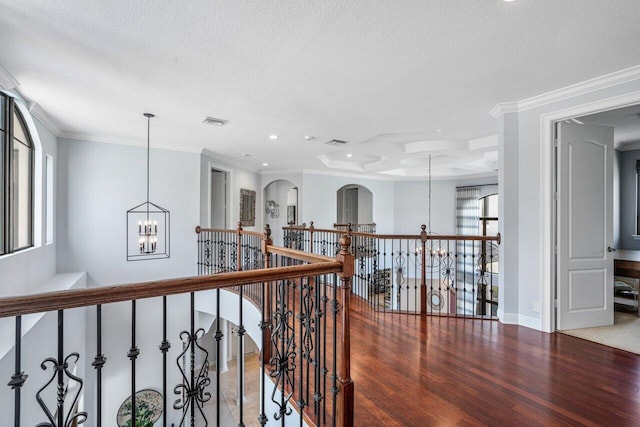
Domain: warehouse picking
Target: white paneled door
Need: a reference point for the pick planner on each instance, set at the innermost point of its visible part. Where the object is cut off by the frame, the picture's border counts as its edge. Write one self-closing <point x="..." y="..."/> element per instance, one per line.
<point x="584" y="226"/>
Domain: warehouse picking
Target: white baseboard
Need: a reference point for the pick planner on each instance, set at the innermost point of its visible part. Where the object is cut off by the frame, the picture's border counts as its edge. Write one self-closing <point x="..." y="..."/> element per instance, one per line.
<point x="519" y="319"/>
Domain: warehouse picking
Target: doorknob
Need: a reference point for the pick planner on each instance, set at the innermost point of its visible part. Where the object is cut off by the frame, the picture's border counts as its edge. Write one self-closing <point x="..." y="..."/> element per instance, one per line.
<point x="610" y="249"/>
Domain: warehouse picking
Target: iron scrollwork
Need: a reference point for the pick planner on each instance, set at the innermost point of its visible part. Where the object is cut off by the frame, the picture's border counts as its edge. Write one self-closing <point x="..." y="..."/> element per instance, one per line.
<point x="192" y="390"/>
<point x="282" y="361"/>
<point x="60" y="370"/>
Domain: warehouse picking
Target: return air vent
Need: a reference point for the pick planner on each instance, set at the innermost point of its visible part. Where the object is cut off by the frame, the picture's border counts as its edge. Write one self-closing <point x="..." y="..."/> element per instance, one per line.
<point x="336" y="142"/>
<point x="213" y="121"/>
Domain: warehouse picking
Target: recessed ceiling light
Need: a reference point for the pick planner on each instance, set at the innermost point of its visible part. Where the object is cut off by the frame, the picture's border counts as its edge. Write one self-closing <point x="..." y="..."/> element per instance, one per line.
<point x="439" y="130"/>
<point x="309" y="137"/>
<point x="349" y="155"/>
<point x="245" y="155"/>
<point x="213" y="121"/>
<point x="273" y="137"/>
<point x="265" y="164"/>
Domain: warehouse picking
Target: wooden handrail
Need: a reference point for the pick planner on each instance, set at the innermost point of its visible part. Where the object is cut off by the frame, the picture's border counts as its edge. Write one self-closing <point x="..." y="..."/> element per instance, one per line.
<point x="62" y="300"/>
<point x="229" y="231"/>
<point x="300" y="255"/>
<point x="496" y="238"/>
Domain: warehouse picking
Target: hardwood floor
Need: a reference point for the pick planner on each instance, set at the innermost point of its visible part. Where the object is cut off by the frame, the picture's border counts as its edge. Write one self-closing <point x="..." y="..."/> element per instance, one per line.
<point x="431" y="371"/>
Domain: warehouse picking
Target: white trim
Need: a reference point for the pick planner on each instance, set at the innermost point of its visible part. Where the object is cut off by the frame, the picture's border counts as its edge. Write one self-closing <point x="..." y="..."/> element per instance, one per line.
<point x="38" y="155"/>
<point x="507" y="318"/>
<point x="529" y="322"/>
<point x="212" y="165"/>
<point x="39" y="113"/>
<point x="503" y="108"/>
<point x="582" y="88"/>
<point x="76" y="136"/>
<point x="7" y="81"/>
<point x="546" y="194"/>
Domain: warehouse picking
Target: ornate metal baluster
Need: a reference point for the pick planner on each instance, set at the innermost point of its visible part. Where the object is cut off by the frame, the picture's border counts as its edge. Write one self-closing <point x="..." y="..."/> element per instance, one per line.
<point x="218" y="337"/>
<point x="19" y="377"/>
<point x="283" y="359"/>
<point x="98" y="363"/>
<point x="164" y="347"/>
<point x="318" y="313"/>
<point x="233" y="256"/>
<point x="264" y="327"/>
<point x="192" y="390"/>
<point x="241" y="332"/>
<point x="334" y="388"/>
<point x="60" y="366"/>
<point x="133" y="354"/>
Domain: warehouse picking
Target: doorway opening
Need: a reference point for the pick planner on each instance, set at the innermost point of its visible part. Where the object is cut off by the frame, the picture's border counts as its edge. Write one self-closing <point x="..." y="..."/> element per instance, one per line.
<point x="619" y="208"/>
<point x="355" y="206"/>
<point x="219" y="193"/>
<point x="280" y="207"/>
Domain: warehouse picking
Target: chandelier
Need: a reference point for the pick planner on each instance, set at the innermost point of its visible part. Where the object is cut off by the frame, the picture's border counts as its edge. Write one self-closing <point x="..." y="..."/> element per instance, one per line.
<point x="147" y="223"/>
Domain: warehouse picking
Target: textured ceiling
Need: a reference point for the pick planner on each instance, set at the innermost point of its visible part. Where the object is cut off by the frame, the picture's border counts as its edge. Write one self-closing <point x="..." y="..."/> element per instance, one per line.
<point x="399" y="80"/>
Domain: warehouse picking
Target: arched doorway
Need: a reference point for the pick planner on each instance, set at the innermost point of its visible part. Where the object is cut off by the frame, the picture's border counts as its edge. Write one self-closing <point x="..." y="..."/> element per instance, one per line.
<point x="280" y="207"/>
<point x="355" y="205"/>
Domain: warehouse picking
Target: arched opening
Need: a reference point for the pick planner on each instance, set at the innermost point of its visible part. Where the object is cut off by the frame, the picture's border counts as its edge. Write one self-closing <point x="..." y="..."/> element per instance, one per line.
<point x="280" y="207"/>
<point x="355" y="205"/>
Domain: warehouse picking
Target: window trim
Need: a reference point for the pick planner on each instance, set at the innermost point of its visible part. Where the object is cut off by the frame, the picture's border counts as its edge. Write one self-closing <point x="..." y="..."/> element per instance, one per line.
<point x="13" y="106"/>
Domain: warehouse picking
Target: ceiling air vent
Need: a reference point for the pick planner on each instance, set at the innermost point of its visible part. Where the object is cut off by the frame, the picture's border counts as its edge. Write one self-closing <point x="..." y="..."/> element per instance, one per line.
<point x="213" y="121"/>
<point x="336" y="142"/>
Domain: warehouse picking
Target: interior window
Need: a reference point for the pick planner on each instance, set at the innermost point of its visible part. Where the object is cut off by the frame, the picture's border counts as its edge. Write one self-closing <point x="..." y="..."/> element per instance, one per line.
<point x="16" y="170"/>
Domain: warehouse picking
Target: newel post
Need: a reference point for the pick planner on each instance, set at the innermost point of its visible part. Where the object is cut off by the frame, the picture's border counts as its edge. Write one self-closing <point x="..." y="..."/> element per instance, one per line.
<point x="423" y="270"/>
<point x="312" y="229"/>
<point x="239" y="247"/>
<point x="266" y="300"/>
<point x="344" y="406"/>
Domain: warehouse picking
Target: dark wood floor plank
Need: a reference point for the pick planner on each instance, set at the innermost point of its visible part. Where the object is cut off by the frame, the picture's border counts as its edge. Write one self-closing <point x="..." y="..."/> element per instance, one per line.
<point x="430" y="371"/>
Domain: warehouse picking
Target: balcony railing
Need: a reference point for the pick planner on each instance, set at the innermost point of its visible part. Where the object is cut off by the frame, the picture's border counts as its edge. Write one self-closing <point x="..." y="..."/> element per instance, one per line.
<point x="422" y="273"/>
<point x="152" y="352"/>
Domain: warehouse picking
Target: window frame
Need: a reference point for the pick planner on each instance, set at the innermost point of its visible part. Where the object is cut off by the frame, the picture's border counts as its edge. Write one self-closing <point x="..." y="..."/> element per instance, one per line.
<point x="8" y="219"/>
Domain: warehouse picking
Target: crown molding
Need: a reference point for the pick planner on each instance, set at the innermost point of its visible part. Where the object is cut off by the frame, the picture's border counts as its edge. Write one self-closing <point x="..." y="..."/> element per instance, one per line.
<point x="39" y="113"/>
<point x="503" y="108"/>
<point x="77" y="136"/>
<point x="7" y="81"/>
<point x="597" y="83"/>
<point x="281" y="172"/>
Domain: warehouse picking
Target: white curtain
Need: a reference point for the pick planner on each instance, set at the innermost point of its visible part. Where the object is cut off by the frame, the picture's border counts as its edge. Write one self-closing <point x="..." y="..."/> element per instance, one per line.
<point x="467" y="224"/>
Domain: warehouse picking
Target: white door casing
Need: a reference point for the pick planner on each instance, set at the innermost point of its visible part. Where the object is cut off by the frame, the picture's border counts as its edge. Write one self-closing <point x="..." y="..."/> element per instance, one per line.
<point x="585" y="226"/>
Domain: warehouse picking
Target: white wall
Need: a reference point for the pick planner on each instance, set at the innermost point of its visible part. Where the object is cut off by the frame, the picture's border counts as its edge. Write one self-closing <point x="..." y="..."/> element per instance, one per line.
<point x="411" y="206"/>
<point x="319" y="200"/>
<point x="98" y="183"/>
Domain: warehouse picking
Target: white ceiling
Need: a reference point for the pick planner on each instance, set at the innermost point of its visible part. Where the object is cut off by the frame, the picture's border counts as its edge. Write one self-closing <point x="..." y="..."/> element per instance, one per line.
<point x="399" y="80"/>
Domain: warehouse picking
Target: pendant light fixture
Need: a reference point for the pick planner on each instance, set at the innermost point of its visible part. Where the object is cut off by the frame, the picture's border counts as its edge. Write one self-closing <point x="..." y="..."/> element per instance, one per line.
<point x="434" y="246"/>
<point x="147" y="223"/>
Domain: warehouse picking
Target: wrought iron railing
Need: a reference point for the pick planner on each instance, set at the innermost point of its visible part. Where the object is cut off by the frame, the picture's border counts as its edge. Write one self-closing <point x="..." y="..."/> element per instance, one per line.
<point x="302" y="333"/>
<point x="425" y="273"/>
<point x="361" y="228"/>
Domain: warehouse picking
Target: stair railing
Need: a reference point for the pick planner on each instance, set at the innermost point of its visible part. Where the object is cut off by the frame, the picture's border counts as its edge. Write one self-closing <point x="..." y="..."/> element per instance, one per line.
<point x="303" y="307"/>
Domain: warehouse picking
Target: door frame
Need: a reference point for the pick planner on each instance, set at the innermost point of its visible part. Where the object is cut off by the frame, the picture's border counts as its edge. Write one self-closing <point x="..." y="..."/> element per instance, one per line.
<point x="547" y="202"/>
<point x="229" y="196"/>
